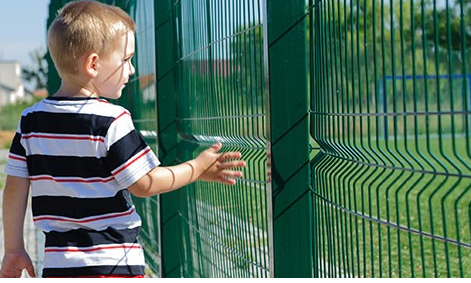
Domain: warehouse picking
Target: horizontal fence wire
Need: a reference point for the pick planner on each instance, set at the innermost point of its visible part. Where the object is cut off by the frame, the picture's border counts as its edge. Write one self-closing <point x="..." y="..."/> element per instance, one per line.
<point x="220" y="85"/>
<point x="390" y="114"/>
<point x="140" y="99"/>
<point x="390" y="130"/>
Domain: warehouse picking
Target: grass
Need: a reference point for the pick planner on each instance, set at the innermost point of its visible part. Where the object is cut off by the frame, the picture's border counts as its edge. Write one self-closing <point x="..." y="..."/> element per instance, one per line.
<point x="382" y="208"/>
<point x="9" y="117"/>
<point x="11" y="114"/>
<point x="3" y="161"/>
<point x="408" y="217"/>
<point x="228" y="225"/>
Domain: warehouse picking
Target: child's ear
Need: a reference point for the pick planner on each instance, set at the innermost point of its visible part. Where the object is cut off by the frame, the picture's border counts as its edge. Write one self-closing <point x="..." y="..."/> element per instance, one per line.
<point x="91" y="65"/>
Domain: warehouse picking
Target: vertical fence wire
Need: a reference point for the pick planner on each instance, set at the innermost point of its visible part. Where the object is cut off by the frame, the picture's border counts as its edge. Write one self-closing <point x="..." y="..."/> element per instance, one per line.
<point x="390" y="112"/>
<point x="140" y="99"/>
<point x="220" y="98"/>
<point x="389" y="86"/>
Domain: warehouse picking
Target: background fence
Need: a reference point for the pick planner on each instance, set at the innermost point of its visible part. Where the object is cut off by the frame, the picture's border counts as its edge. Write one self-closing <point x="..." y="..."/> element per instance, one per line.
<point x="390" y="111"/>
<point x="353" y="117"/>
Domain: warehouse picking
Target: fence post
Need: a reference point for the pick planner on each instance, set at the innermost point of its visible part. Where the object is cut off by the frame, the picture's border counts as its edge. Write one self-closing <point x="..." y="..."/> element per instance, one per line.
<point x="167" y="136"/>
<point x="289" y="139"/>
<point x="53" y="79"/>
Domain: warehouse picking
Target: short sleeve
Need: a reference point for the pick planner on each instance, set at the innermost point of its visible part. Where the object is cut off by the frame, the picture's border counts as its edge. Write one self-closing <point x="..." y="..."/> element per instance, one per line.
<point x="128" y="155"/>
<point x="16" y="162"/>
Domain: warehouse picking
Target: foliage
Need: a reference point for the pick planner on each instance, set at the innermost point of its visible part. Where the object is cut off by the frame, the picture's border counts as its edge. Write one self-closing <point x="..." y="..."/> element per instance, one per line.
<point x="11" y="114"/>
<point x="448" y="27"/>
<point x="36" y="74"/>
<point x="391" y="56"/>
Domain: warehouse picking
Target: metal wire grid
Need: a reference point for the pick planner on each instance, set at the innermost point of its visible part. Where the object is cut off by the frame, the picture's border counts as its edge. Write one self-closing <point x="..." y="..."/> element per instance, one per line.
<point x="390" y="128"/>
<point x="140" y="99"/>
<point x="390" y="122"/>
<point x="220" y="98"/>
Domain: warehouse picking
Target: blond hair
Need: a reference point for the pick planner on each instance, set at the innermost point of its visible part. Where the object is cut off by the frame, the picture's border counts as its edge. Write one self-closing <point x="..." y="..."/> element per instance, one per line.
<point x="83" y="27"/>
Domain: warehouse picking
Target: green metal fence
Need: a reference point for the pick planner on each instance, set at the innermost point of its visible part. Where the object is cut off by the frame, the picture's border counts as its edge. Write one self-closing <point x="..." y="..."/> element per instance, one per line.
<point x="353" y="117"/>
<point x="219" y="87"/>
<point x="390" y="110"/>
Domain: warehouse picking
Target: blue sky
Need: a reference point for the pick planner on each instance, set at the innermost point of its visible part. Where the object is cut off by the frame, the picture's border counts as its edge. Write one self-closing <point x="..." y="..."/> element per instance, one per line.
<point x="22" y="28"/>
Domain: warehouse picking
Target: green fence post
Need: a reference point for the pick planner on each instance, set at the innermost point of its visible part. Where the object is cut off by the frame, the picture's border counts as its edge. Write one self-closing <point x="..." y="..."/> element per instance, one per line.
<point x="53" y="79"/>
<point x="289" y="139"/>
<point x="167" y="136"/>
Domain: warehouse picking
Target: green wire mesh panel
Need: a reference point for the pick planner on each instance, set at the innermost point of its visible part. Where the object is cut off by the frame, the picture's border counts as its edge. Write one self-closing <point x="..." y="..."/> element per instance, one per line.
<point x="53" y="79"/>
<point x="140" y="98"/>
<point x="390" y="111"/>
<point x="220" y="98"/>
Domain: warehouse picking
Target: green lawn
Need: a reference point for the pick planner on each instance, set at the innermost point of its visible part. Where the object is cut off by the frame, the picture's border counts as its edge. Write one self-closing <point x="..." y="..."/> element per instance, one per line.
<point x="382" y="208"/>
<point x="394" y="209"/>
<point x="3" y="161"/>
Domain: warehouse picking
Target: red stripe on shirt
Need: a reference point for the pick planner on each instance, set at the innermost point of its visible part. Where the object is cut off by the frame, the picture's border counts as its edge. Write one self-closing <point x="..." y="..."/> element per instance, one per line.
<point x="102" y="100"/>
<point x="121" y="115"/>
<point x="132" y="161"/>
<point x="16" y="157"/>
<point x="72" y="180"/>
<point x="35" y="219"/>
<point x="103" y="277"/>
<point x="94" y="249"/>
<point x="100" y="139"/>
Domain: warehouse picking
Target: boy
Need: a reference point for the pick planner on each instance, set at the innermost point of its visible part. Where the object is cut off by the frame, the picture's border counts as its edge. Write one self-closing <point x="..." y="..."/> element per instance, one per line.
<point x="83" y="157"/>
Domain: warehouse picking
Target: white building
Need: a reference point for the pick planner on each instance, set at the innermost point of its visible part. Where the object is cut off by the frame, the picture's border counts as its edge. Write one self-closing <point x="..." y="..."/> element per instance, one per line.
<point x="11" y="86"/>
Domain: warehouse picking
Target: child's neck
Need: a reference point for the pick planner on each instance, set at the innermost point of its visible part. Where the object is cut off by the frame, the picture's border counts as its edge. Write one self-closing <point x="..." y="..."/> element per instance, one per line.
<point x="74" y="90"/>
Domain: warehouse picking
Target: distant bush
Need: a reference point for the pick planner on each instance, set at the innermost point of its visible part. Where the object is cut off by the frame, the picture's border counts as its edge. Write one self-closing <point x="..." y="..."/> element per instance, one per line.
<point x="5" y="139"/>
<point x="10" y="114"/>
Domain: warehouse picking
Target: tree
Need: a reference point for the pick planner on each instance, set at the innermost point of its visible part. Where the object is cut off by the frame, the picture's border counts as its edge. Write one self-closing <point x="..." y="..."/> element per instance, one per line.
<point x="444" y="24"/>
<point x="36" y="74"/>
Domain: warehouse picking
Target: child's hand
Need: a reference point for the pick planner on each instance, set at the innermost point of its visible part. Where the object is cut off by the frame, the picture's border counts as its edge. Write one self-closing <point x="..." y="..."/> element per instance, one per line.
<point x="14" y="263"/>
<point x="219" y="167"/>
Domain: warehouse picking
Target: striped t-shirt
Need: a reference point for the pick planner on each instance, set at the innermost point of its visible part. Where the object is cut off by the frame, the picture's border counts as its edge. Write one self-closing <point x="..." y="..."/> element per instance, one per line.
<point x="81" y="155"/>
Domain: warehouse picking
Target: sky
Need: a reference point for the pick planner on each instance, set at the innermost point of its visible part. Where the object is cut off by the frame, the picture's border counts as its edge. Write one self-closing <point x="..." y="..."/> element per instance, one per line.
<point x="22" y="28"/>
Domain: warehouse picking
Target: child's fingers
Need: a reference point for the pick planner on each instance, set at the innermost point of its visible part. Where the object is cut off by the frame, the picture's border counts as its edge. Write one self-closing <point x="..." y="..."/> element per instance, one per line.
<point x="216" y="147"/>
<point x="232" y="164"/>
<point x="231" y="155"/>
<point x="226" y="181"/>
<point x="231" y="174"/>
<point x="30" y="270"/>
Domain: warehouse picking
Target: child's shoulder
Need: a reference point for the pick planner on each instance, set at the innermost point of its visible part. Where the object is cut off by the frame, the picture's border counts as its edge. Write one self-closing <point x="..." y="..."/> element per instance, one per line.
<point x="95" y="106"/>
<point x="31" y="108"/>
<point x="107" y="108"/>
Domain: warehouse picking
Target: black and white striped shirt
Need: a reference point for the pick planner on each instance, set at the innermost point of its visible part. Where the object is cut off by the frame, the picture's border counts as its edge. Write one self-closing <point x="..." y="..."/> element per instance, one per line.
<point x="81" y="155"/>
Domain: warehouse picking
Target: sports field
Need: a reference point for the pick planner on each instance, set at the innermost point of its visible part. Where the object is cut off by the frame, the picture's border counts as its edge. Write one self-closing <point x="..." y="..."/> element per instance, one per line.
<point x="394" y="208"/>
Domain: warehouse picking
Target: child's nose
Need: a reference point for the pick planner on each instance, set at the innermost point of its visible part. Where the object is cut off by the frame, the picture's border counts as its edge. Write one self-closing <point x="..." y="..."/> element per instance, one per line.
<point x="131" y="69"/>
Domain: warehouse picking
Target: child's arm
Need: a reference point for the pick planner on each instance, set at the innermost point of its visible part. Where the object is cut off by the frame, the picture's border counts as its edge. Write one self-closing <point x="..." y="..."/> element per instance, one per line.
<point x="15" y="199"/>
<point x="208" y="166"/>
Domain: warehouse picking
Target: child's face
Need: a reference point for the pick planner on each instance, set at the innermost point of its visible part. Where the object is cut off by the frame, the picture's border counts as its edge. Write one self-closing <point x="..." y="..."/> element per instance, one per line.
<point x="115" y="69"/>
